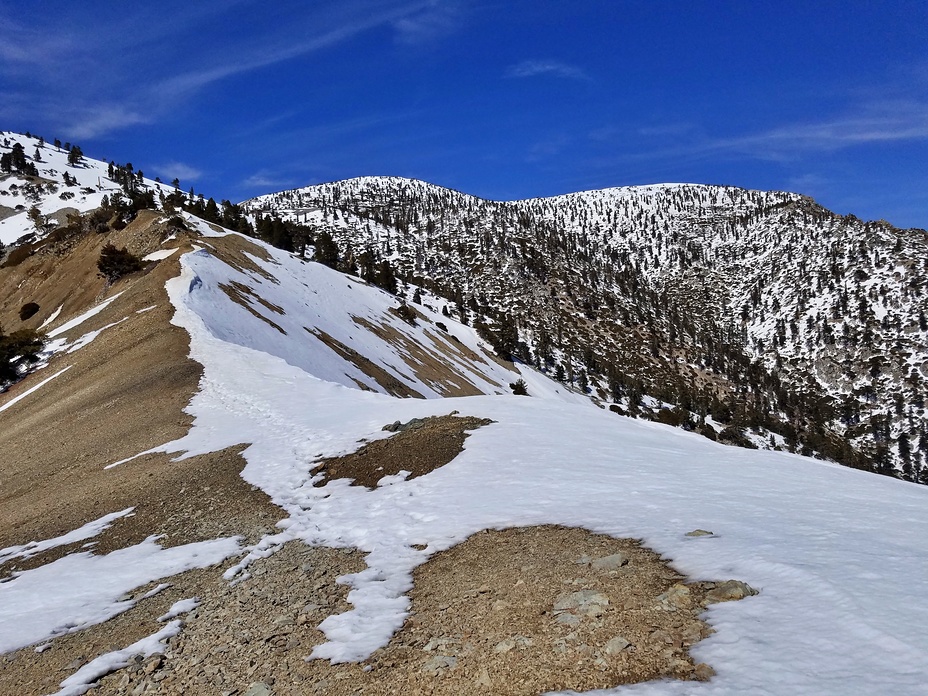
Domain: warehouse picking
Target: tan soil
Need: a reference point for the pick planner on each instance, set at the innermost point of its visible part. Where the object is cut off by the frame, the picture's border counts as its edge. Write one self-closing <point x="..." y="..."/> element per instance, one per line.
<point x="390" y="384"/>
<point x="431" y="368"/>
<point x="123" y="394"/>
<point x="418" y="450"/>
<point x="235" y="293"/>
<point x="485" y="607"/>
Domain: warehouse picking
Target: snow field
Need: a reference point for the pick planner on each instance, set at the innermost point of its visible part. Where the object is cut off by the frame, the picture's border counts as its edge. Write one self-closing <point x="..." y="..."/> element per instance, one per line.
<point x="836" y="575"/>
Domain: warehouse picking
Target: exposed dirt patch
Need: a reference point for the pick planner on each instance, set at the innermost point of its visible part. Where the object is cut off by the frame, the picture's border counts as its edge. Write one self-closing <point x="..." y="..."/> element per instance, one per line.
<point x="244" y="289"/>
<point x="124" y="393"/>
<point x="428" y="367"/>
<point x="419" y="448"/>
<point x="236" y="250"/>
<point x="391" y="384"/>
<point x="525" y="611"/>
<point x="259" y="629"/>
<point x="240" y="297"/>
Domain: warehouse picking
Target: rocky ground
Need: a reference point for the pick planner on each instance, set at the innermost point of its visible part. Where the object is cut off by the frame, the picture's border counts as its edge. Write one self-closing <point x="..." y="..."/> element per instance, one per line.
<point x="518" y="611"/>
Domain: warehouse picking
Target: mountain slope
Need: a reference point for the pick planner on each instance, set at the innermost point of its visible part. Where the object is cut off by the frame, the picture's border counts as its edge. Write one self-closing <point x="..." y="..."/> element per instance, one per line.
<point x="172" y="520"/>
<point x="761" y="309"/>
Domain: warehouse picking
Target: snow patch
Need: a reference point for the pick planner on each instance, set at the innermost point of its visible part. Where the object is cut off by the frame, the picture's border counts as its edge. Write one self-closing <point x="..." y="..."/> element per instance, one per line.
<point x="91" y="529"/>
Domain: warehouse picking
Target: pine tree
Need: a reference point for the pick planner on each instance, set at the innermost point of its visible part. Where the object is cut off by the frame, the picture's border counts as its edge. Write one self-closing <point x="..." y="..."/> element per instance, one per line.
<point x="326" y="250"/>
<point x="75" y="155"/>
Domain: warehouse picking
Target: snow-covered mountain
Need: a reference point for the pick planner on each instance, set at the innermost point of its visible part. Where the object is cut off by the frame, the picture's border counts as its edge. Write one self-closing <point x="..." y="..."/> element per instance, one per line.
<point x="221" y="466"/>
<point x="32" y="205"/>
<point x="798" y="327"/>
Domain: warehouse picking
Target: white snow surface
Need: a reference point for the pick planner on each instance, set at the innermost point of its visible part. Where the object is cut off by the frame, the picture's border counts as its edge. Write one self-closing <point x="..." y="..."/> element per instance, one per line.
<point x="87" y="531"/>
<point x="19" y="397"/>
<point x="80" y="590"/>
<point x="159" y="255"/>
<point x="84" y="679"/>
<point x="836" y="567"/>
<point x="78" y="320"/>
<point x="180" y="607"/>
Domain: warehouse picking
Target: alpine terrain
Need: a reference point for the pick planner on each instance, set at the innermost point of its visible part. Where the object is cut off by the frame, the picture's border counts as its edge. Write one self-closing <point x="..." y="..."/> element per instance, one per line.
<point x="381" y="437"/>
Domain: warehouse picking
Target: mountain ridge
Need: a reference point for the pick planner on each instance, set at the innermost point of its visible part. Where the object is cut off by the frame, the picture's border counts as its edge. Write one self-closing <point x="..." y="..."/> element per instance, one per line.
<point x="758" y="316"/>
<point x="204" y="478"/>
<point x="710" y="250"/>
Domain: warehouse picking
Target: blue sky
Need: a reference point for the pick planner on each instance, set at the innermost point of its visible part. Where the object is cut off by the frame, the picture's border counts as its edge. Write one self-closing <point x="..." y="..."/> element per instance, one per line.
<point x="504" y="100"/>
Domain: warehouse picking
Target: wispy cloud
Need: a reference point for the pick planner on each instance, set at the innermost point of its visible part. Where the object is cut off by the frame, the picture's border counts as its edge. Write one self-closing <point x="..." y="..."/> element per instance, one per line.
<point x="881" y="124"/>
<point x="96" y="120"/>
<point x="54" y="67"/>
<point x="437" y="20"/>
<point x="413" y="20"/>
<point x="554" y="68"/>
<point x="178" y="170"/>
<point x="266" y="180"/>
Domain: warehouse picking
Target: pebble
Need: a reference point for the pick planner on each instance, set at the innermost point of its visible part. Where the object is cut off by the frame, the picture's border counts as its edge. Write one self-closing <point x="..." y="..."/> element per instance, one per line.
<point x="699" y="533"/>
<point x="729" y="591"/>
<point x="613" y="562"/>
<point x="259" y="689"/>
<point x="616" y="645"/>
<point x="438" y="664"/>
<point x="587" y="602"/>
<point x="677" y="597"/>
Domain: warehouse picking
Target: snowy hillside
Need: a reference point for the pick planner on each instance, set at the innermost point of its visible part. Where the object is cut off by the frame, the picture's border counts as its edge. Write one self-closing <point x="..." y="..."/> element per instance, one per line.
<point x="88" y="182"/>
<point x="834" y="572"/>
<point x="779" y="319"/>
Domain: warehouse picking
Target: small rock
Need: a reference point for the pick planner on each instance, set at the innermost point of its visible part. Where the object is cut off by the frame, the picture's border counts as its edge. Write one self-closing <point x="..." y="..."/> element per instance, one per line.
<point x="616" y="645"/>
<point x="583" y="560"/>
<point x="681" y="667"/>
<point x="587" y="602"/>
<point x="699" y="533"/>
<point x="691" y="634"/>
<point x="677" y="597"/>
<point x="153" y="664"/>
<point x="729" y="591"/>
<point x="567" y="619"/>
<point x="661" y="636"/>
<point x="74" y="664"/>
<point x="500" y="605"/>
<point x="439" y="664"/>
<point x="259" y="689"/>
<point x="483" y="679"/>
<point x="613" y="562"/>
<point x="703" y="672"/>
<point x="393" y="427"/>
<point x="504" y="646"/>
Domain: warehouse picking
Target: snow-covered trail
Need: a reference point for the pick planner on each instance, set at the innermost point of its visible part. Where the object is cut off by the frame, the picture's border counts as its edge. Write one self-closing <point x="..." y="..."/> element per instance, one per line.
<point x="836" y="569"/>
